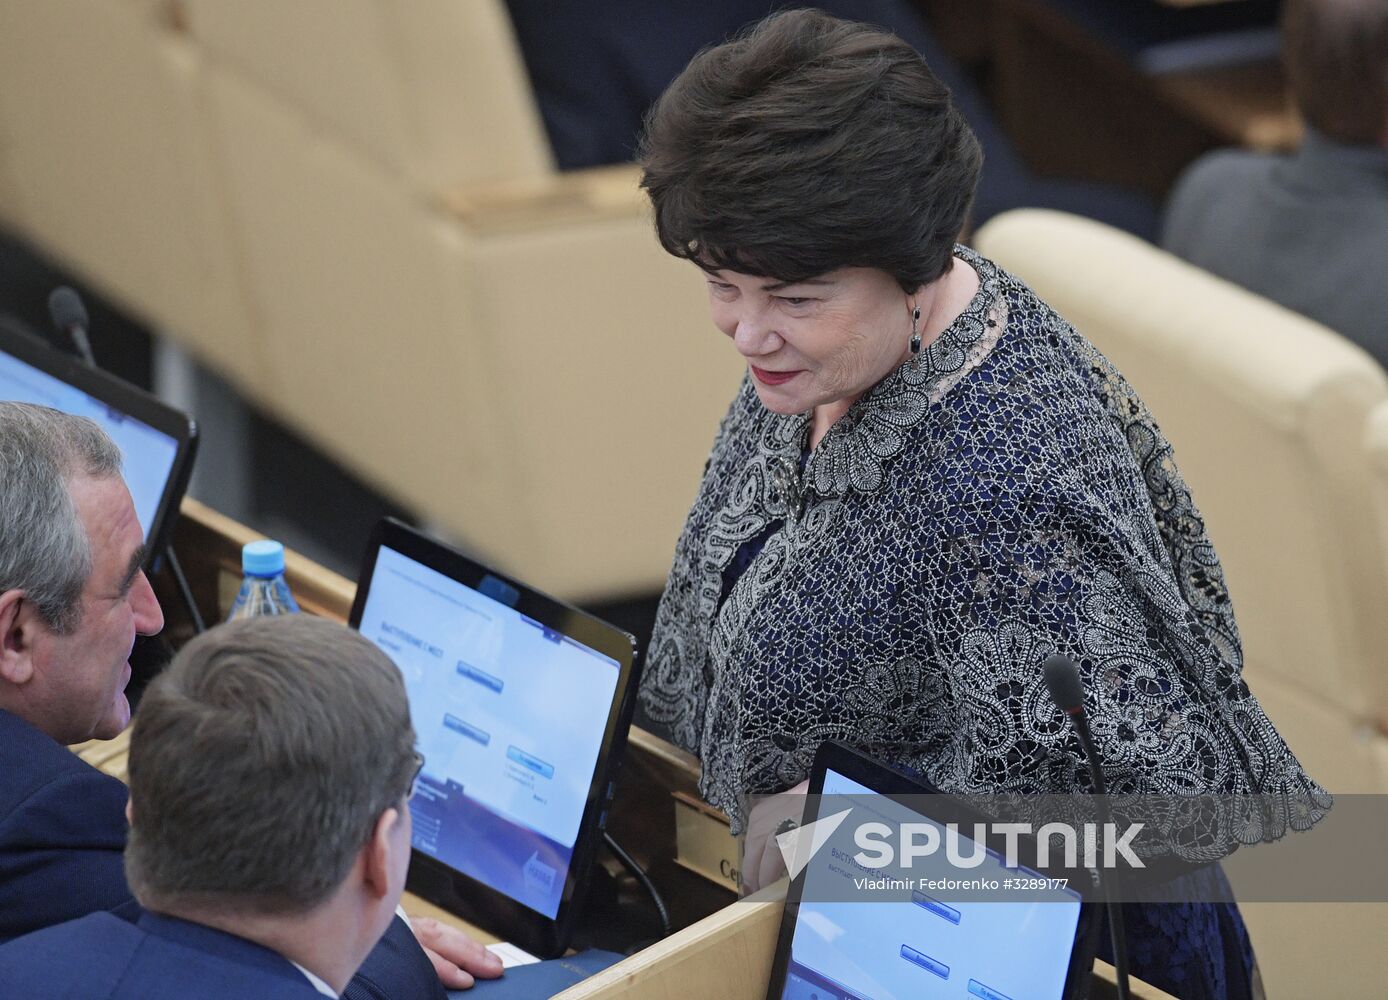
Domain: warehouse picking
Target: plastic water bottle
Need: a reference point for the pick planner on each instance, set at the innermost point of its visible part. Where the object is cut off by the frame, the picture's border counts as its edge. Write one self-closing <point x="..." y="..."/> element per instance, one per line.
<point x="263" y="590"/>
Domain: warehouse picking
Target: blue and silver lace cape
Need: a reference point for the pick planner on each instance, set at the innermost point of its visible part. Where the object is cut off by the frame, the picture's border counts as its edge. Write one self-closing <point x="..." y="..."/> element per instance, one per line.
<point x="1001" y="496"/>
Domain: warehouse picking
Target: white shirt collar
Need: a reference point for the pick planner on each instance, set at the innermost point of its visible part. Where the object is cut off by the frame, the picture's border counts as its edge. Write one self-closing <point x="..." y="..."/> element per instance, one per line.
<point x="318" y="984"/>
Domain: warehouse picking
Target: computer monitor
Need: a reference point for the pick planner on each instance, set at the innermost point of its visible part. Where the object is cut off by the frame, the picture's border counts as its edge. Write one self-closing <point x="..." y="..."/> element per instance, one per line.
<point x="522" y="706"/>
<point x="157" y="442"/>
<point x="923" y="932"/>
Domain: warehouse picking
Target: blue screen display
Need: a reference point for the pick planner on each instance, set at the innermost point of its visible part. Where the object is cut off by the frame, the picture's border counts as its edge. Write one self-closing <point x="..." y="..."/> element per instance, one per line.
<point x="981" y="950"/>
<point x="510" y="716"/>
<point x="147" y="454"/>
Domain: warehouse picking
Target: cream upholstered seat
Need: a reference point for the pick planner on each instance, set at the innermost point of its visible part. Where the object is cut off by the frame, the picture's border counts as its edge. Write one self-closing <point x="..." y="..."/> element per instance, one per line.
<point x="348" y="207"/>
<point x="1266" y="411"/>
<point x="430" y="89"/>
<point x="548" y="379"/>
<point x="100" y="105"/>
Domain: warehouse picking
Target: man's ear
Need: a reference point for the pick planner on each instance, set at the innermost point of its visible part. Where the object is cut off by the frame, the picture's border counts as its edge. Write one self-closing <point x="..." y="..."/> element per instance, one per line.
<point x="16" y="637"/>
<point x="381" y="854"/>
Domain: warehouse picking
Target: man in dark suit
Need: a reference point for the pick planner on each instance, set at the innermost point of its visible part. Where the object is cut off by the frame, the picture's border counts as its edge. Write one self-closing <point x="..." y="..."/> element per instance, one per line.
<point x="72" y="599"/>
<point x="270" y="767"/>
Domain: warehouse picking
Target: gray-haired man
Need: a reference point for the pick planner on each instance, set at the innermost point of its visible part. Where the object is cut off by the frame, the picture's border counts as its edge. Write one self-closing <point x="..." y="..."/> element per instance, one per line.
<point x="72" y="599"/>
<point x="73" y="595"/>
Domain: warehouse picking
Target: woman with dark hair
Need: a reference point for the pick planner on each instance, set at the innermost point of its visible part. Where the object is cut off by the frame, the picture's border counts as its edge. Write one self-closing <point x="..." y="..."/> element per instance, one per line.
<point x="927" y="484"/>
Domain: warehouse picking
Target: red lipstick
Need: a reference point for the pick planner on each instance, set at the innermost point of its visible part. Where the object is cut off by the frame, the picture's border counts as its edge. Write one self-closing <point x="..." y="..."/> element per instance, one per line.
<point x="771" y="378"/>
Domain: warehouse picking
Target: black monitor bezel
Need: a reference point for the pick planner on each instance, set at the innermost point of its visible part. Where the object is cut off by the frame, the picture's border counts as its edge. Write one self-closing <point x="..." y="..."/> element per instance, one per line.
<point x="130" y="401"/>
<point x="902" y="788"/>
<point x="461" y="894"/>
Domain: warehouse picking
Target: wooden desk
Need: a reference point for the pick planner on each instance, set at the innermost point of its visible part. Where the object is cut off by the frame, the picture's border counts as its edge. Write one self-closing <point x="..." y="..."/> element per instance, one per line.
<point x="1247" y="104"/>
<point x="1077" y="107"/>
<point x="728" y="957"/>
<point x="721" y="950"/>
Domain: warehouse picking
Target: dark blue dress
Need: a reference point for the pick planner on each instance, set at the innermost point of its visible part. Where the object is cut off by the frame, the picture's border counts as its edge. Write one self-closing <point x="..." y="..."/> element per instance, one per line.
<point x="1194" y="950"/>
<point x="1002" y="496"/>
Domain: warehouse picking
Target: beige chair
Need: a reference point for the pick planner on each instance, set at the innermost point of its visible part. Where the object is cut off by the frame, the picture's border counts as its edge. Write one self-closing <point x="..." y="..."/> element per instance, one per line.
<point x="348" y="207"/>
<point x="1266" y="411"/>
<point x="100" y="107"/>
<point x="548" y="380"/>
<point x="431" y="89"/>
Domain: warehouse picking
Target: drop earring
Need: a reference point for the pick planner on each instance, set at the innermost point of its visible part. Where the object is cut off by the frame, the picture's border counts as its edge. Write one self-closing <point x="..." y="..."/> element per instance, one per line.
<point x="915" y="330"/>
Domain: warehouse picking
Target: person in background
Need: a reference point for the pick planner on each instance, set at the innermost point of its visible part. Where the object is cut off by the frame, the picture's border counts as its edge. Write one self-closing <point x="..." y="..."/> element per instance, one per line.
<point x="597" y="68"/>
<point x="1310" y="229"/>
<point x="73" y="596"/>
<point x="927" y="484"/>
<point x="270" y="765"/>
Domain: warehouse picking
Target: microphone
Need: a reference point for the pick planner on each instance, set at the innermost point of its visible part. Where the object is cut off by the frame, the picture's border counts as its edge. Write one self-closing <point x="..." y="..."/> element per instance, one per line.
<point x="69" y="317"/>
<point x="1067" y="691"/>
<point x="1063" y="682"/>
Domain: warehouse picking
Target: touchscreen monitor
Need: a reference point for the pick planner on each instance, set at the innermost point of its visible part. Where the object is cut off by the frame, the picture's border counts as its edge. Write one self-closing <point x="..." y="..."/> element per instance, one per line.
<point x="921" y="942"/>
<point x="517" y="702"/>
<point x="155" y="440"/>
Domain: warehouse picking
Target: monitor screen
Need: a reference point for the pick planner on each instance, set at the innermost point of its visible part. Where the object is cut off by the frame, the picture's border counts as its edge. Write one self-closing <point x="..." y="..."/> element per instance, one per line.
<point x="147" y="454"/>
<point x="510" y="716"/>
<point x="984" y="950"/>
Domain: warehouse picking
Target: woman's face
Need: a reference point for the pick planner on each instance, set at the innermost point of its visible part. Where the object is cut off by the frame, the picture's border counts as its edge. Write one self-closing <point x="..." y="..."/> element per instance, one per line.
<point x="821" y="341"/>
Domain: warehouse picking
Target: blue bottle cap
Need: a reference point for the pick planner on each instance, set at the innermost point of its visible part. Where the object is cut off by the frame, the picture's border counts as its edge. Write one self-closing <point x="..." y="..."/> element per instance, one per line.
<point x="262" y="558"/>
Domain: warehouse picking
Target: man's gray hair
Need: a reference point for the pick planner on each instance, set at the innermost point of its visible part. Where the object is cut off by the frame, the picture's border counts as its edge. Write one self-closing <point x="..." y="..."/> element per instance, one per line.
<point x="260" y="762"/>
<point x="44" y="549"/>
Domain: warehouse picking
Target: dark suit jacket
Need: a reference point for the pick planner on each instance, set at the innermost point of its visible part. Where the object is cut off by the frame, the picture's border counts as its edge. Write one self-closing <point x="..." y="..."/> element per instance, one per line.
<point x="62" y="834"/>
<point x="102" y="957"/>
<point x="62" y="831"/>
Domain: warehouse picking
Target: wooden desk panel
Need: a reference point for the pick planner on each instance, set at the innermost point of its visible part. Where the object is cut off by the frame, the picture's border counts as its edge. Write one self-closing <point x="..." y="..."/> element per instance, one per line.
<point x="1247" y="104"/>
<point x="723" y="953"/>
<point x="1077" y="107"/>
<point x="727" y="956"/>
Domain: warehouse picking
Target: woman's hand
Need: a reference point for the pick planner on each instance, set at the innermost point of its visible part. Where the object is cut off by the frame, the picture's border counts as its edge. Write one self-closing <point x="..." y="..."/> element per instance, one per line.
<point x="457" y="958"/>
<point x="762" y="862"/>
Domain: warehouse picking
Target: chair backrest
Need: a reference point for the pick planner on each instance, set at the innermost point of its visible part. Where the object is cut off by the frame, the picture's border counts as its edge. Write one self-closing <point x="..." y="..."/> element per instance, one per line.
<point x="1376" y="449"/>
<point x="483" y="368"/>
<point x="273" y="183"/>
<point x="434" y="89"/>
<point x="106" y="167"/>
<point x="1266" y="411"/>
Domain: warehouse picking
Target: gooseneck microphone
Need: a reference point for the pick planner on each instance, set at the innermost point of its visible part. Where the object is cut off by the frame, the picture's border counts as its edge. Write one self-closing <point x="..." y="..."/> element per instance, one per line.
<point x="1067" y="691"/>
<point x="69" y="318"/>
<point x="1063" y="681"/>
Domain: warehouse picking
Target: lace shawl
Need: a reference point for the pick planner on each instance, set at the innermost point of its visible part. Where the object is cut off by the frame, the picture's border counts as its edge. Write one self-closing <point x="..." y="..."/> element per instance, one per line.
<point x="1001" y="496"/>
